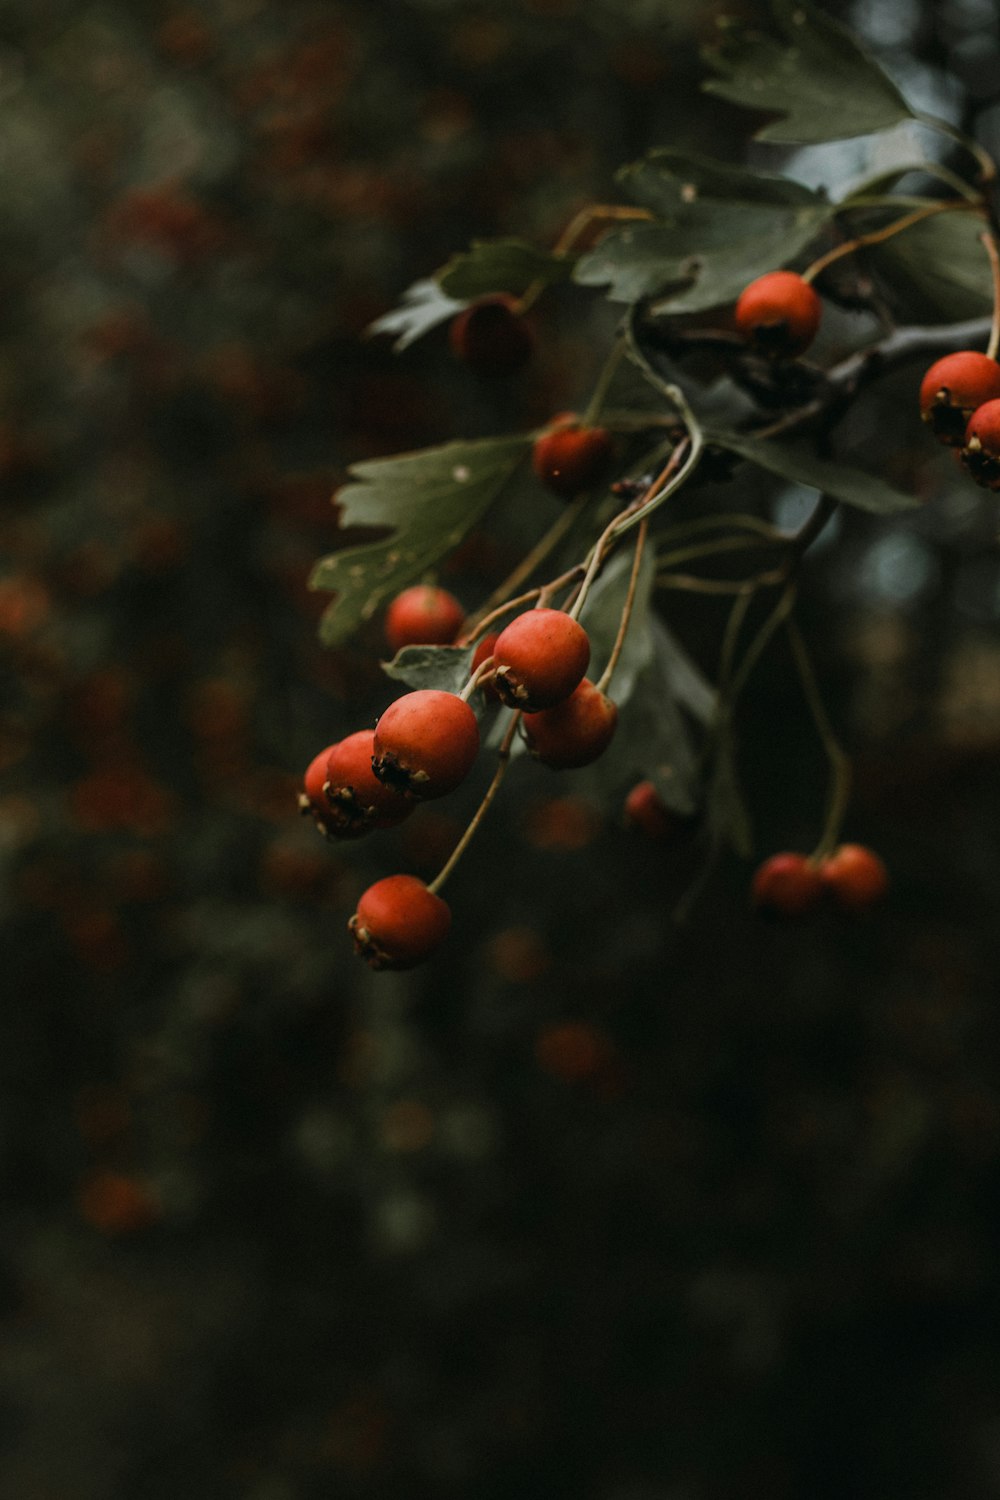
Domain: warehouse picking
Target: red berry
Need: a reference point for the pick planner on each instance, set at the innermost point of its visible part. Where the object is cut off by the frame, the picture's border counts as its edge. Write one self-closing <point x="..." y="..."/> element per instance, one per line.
<point x="540" y="657"/>
<point x="491" y="336"/>
<point x="313" y="798"/>
<point x="789" y="884"/>
<point x="423" y="616"/>
<point x="953" y="388"/>
<point x="855" y="876"/>
<point x="399" y="923"/>
<point x="574" y="732"/>
<point x="646" y="811"/>
<point x="356" y="800"/>
<point x="779" y="313"/>
<point x="981" y="453"/>
<point x="569" y="457"/>
<point x="425" y="743"/>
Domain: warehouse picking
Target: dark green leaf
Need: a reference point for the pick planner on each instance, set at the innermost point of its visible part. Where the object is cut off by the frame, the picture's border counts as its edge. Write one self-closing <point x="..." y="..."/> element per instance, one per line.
<point x="443" y="667"/>
<point x="424" y="306"/>
<point x="816" y="77"/>
<point x="938" y="270"/>
<point x="430" y="499"/>
<point x="655" y="739"/>
<point x="501" y="266"/>
<point x="704" y="254"/>
<point x="798" y="463"/>
<point x="667" y="182"/>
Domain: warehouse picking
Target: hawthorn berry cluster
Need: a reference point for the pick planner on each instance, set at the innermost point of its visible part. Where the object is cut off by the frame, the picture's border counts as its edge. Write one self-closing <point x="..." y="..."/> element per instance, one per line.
<point x="685" y="245"/>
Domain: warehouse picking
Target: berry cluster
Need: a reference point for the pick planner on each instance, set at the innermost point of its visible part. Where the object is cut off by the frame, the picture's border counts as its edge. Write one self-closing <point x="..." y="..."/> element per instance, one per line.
<point x="426" y="742"/>
<point x="532" y="665"/>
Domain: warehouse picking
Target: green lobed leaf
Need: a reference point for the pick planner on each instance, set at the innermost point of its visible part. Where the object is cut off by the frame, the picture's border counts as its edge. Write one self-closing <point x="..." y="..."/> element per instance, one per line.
<point x="501" y="266"/>
<point x="423" y="307"/>
<point x="719" y="227"/>
<point x="667" y="181"/>
<point x="444" y="667"/>
<point x="430" y="499"/>
<point x="817" y="78"/>
<point x="799" y="463"/>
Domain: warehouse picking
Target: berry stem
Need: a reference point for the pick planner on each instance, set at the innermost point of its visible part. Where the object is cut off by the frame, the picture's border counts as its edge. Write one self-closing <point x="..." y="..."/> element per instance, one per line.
<point x="574" y="231"/>
<point x="840" y="765"/>
<point x="477" y="676"/>
<point x="481" y="810"/>
<point x="603" y="385"/>
<point x="623" y="624"/>
<point x="989" y="241"/>
<point x="877" y="236"/>
<point x="498" y="602"/>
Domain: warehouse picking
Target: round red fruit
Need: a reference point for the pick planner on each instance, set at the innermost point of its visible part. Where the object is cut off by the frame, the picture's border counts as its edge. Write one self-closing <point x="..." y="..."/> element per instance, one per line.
<point x="779" y="313"/>
<point x="953" y="388"/>
<point x="981" y="452"/>
<point x="540" y="658"/>
<point x="355" y="798"/>
<point x="423" y="616"/>
<point x="491" y="336"/>
<point x="788" y="884"/>
<point x="570" y="456"/>
<point x="425" y="743"/>
<point x="312" y="799"/>
<point x="574" y="732"/>
<point x="855" y="877"/>
<point x="399" y="922"/>
<point x="646" y="812"/>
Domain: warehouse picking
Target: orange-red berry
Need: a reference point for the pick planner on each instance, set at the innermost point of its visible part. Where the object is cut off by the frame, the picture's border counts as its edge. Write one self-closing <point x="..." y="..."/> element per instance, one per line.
<point x="399" y="922"/>
<point x="312" y="799"/>
<point x="425" y="743"/>
<point x="981" y="451"/>
<point x="570" y="457"/>
<point x="540" y="658"/>
<point x="574" y="732"/>
<point x="491" y="336"/>
<point x="953" y="388"/>
<point x="423" y="616"/>
<point x="855" y="877"/>
<point x="646" y="812"/>
<point x="779" y="313"/>
<point x="787" y="884"/>
<point x="356" y="801"/>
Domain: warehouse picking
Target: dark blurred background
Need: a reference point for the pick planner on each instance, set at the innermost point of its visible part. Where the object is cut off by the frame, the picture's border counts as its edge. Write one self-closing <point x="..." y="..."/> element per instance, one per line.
<point x="590" y="1206"/>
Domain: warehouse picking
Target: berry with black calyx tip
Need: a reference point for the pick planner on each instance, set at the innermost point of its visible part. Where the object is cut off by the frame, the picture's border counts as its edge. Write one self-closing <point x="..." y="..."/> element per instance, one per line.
<point x="356" y="801"/>
<point x="540" y="658"/>
<point x="855" y="877"/>
<point x="399" y="922"/>
<point x="953" y="388"/>
<point x="572" y="733"/>
<point x="647" y="813"/>
<point x="491" y="336"/>
<point x="569" y="456"/>
<point x="425" y="743"/>
<point x="423" y="615"/>
<point x="778" y="314"/>
<point x="981" y="450"/>
<point x="787" y="885"/>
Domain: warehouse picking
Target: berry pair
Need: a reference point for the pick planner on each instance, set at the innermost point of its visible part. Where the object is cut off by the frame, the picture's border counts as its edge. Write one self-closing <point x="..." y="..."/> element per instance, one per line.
<point x="960" y="402"/>
<point x="790" y="885"/>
